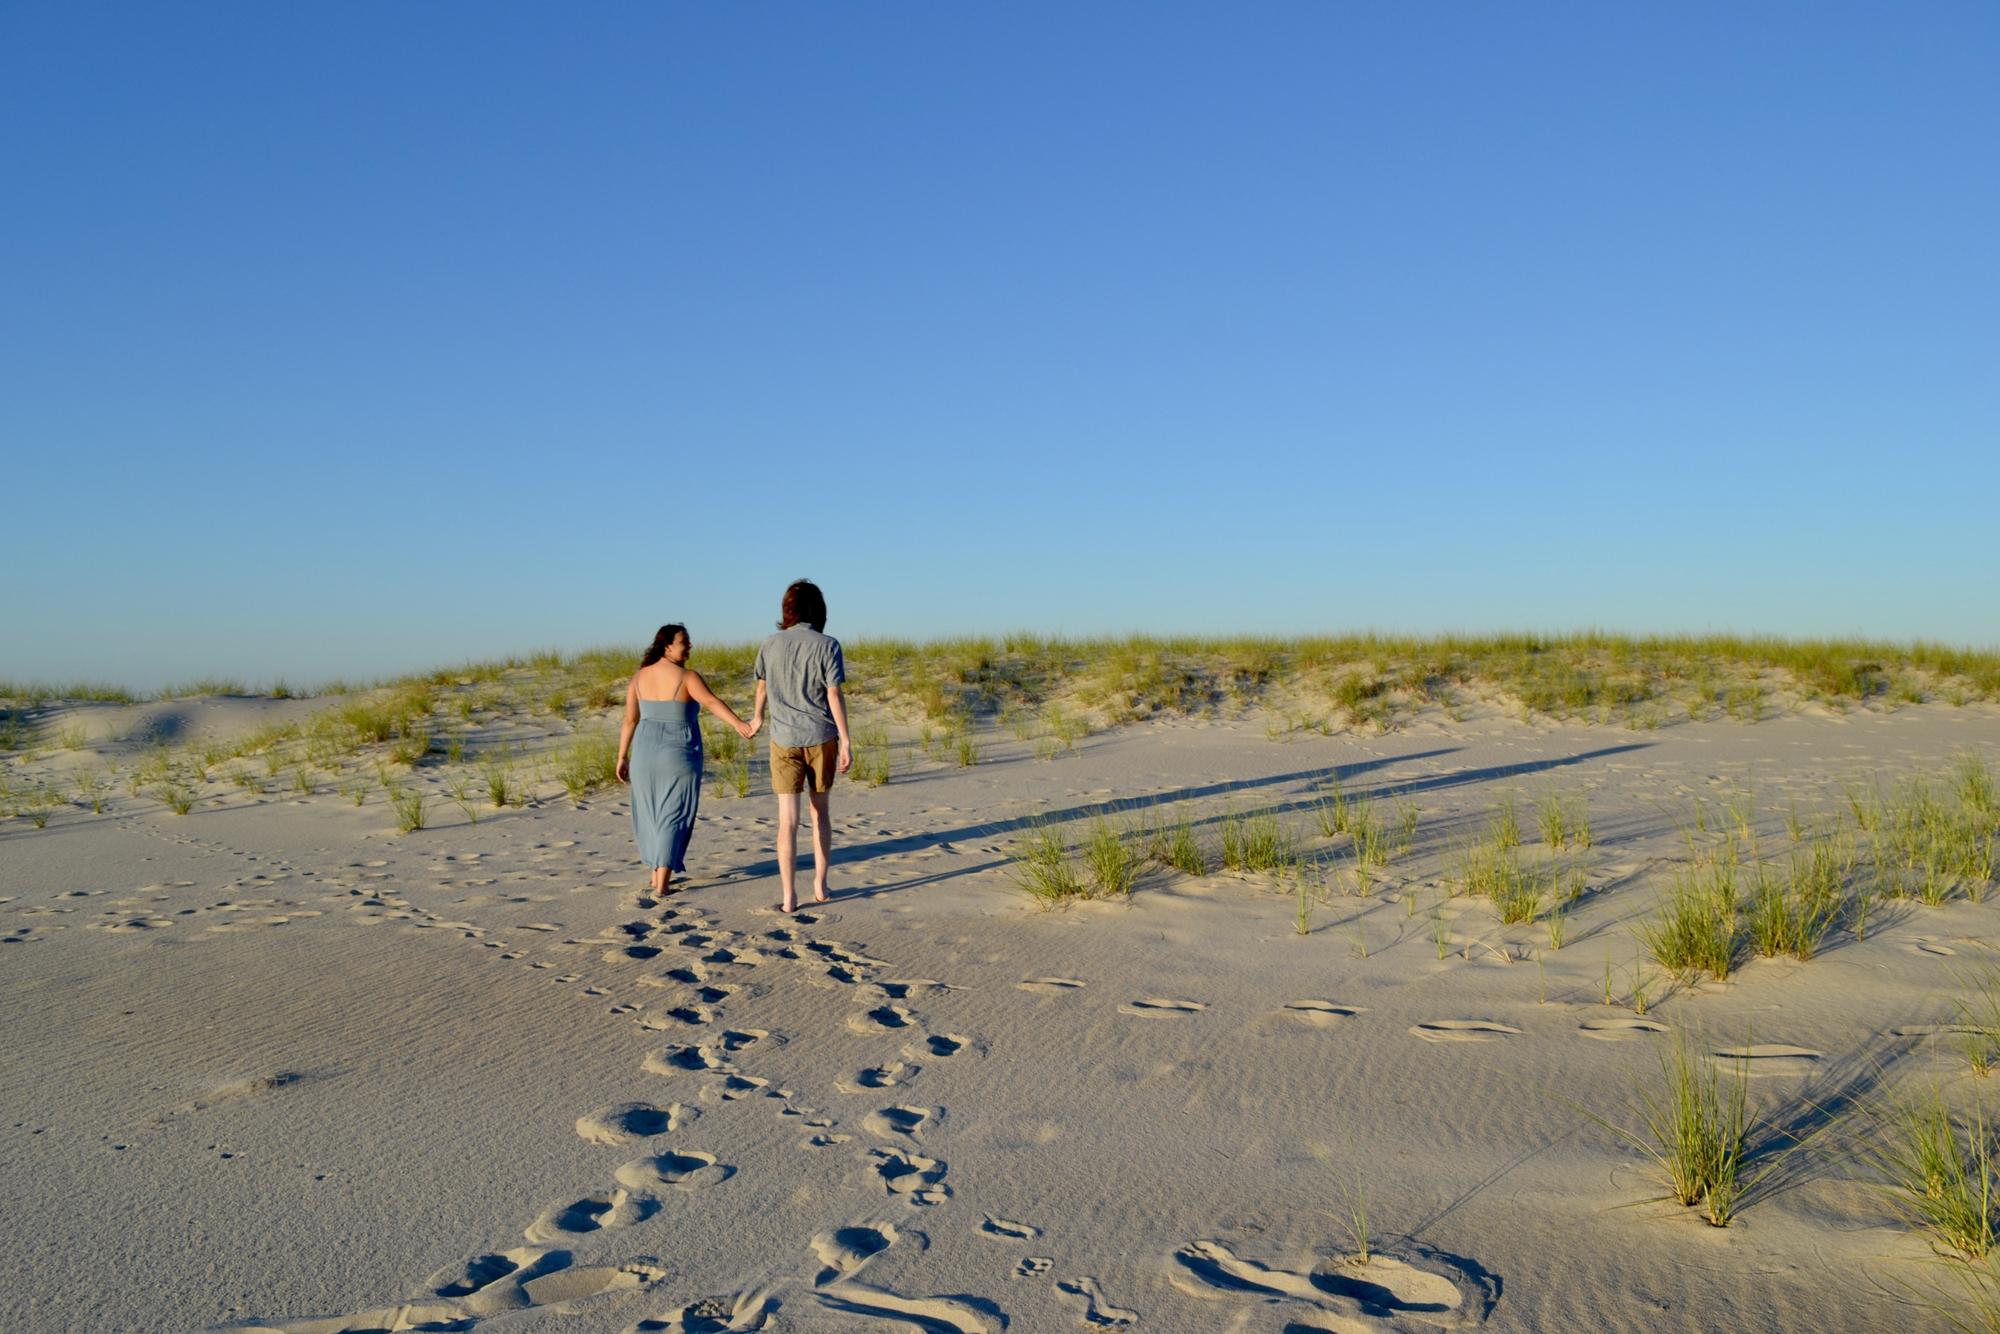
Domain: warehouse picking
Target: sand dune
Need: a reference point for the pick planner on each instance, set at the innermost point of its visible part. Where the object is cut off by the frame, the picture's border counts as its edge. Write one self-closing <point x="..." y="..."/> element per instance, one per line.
<point x="274" y="1065"/>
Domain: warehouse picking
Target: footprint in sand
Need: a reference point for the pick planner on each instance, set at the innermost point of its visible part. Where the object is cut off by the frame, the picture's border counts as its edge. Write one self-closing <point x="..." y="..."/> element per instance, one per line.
<point x="736" y="1086"/>
<point x="1006" y="1229"/>
<point x="683" y="1171"/>
<point x="881" y="1019"/>
<point x="880" y="1077"/>
<point x="481" y="1273"/>
<point x="843" y="1251"/>
<point x="592" y="1213"/>
<point x="1381" y="1290"/>
<point x="492" y="1284"/>
<point x="567" y="1289"/>
<point x="918" y="1179"/>
<point x="1462" y="1030"/>
<point x="932" y="1315"/>
<point x="1160" y="1007"/>
<point x="1769" y="1058"/>
<point x="625" y="1122"/>
<point x="1620" y="1029"/>
<point x="1051" y="986"/>
<point x="901" y="1122"/>
<point x="1094" y="1310"/>
<point x="942" y="1044"/>
<point x="735" y="1313"/>
<point x="1934" y="1030"/>
<point x="1320" y="1013"/>
<point x="686" y="1016"/>
<point x="1033" y="1266"/>
<point x="679" y="1059"/>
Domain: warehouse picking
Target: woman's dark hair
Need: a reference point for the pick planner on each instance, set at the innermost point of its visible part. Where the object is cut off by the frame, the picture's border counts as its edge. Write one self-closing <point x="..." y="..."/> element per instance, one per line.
<point x="803" y="604"/>
<point x="661" y="640"/>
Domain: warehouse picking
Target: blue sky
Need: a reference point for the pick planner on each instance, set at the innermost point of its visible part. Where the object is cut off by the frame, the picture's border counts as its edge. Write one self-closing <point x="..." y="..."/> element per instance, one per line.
<point x="345" y="339"/>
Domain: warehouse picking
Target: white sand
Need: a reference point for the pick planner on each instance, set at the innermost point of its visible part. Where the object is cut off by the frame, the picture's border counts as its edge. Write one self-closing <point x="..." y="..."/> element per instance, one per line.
<point x="274" y="1064"/>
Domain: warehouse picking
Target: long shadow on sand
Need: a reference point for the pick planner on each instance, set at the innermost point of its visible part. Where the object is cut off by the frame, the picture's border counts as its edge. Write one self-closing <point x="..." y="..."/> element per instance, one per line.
<point x="1314" y="781"/>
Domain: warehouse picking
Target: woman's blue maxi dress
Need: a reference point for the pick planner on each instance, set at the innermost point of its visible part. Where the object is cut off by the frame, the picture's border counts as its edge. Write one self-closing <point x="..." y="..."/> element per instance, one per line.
<point x="666" y="779"/>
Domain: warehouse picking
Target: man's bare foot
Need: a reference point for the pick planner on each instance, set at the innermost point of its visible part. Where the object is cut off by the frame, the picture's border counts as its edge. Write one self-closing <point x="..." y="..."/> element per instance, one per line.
<point x="821" y="896"/>
<point x="788" y="907"/>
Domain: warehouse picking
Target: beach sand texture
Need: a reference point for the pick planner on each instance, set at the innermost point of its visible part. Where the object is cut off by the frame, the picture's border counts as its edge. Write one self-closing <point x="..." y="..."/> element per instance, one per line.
<point x="275" y="1065"/>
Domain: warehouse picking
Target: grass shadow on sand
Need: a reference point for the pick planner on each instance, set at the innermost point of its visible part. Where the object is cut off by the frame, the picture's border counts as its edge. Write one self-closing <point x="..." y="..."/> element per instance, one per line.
<point x="1313" y="782"/>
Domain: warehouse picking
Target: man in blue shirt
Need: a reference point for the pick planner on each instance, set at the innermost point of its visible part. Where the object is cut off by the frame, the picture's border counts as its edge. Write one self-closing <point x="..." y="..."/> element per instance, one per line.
<point x="799" y="672"/>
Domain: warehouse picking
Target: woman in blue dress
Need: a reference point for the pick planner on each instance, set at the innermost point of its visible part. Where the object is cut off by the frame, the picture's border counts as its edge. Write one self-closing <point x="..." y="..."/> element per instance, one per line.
<point x="659" y="750"/>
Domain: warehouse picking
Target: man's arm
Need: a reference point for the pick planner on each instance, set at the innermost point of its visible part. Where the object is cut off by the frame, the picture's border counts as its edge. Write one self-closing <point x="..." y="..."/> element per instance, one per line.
<point x="838" y="707"/>
<point x="757" y="709"/>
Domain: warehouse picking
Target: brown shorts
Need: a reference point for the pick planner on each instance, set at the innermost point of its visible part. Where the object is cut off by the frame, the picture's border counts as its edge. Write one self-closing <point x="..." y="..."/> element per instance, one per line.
<point x="791" y="765"/>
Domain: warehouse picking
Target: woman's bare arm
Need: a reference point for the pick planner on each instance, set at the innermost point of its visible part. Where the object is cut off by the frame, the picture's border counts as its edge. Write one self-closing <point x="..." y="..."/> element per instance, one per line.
<point x="630" y="726"/>
<point x="699" y="692"/>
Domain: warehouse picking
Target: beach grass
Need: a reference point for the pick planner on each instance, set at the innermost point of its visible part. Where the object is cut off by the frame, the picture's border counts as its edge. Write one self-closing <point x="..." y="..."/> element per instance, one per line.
<point x="590" y="762"/>
<point x="498" y="774"/>
<point x="410" y="807"/>
<point x="1176" y="845"/>
<point x="1977" y="1002"/>
<point x="1372" y="680"/>
<point x="1792" y="912"/>
<point x="1695" y="1127"/>
<point x="1256" y="842"/>
<point x="1044" y="866"/>
<point x="1109" y="859"/>
<point x="1942" y="1169"/>
<point x="1697" y="929"/>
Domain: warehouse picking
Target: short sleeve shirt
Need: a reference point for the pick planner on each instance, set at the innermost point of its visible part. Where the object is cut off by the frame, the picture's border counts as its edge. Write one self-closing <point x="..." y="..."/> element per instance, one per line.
<point x="796" y="667"/>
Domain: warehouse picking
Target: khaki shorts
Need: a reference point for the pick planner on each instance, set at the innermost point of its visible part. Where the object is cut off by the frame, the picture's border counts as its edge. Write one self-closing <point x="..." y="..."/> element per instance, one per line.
<point x="790" y="766"/>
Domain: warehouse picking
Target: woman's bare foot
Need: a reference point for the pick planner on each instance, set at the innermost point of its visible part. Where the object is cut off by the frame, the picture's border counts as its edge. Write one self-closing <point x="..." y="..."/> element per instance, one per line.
<point x="820" y="895"/>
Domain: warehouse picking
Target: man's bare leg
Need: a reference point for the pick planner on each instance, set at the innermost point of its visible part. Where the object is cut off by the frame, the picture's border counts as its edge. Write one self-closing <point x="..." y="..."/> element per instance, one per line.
<point x="788" y="848"/>
<point x="822" y="842"/>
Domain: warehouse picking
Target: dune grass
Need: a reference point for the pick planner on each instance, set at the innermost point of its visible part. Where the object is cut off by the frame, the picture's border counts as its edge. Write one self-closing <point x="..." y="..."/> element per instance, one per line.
<point x="1334" y="810"/>
<point x="1697" y="930"/>
<point x="1256" y="843"/>
<point x="1373" y="681"/>
<point x="1044" y="866"/>
<point x="90" y="787"/>
<point x="1977" y="1003"/>
<point x="1695" y="1126"/>
<point x="1112" y="864"/>
<point x="410" y="807"/>
<point x="1943" y="1170"/>
<point x="1792" y="912"/>
<point x="498" y="774"/>
<point x="1177" y="845"/>
<point x="1564" y="821"/>
<point x="1504" y="829"/>
<point x="873" y="758"/>
<point x="590" y="762"/>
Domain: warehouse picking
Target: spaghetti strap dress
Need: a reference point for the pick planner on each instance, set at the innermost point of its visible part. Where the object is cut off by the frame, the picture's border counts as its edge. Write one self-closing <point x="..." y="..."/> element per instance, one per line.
<point x="666" y="780"/>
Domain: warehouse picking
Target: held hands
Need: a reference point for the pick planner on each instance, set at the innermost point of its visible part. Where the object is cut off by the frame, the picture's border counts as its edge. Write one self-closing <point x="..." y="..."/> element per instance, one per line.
<point x="756" y="725"/>
<point x="746" y="730"/>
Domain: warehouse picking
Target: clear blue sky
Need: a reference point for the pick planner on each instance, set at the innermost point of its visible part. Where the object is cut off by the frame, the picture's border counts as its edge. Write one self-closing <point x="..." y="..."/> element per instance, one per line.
<point x="342" y="339"/>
